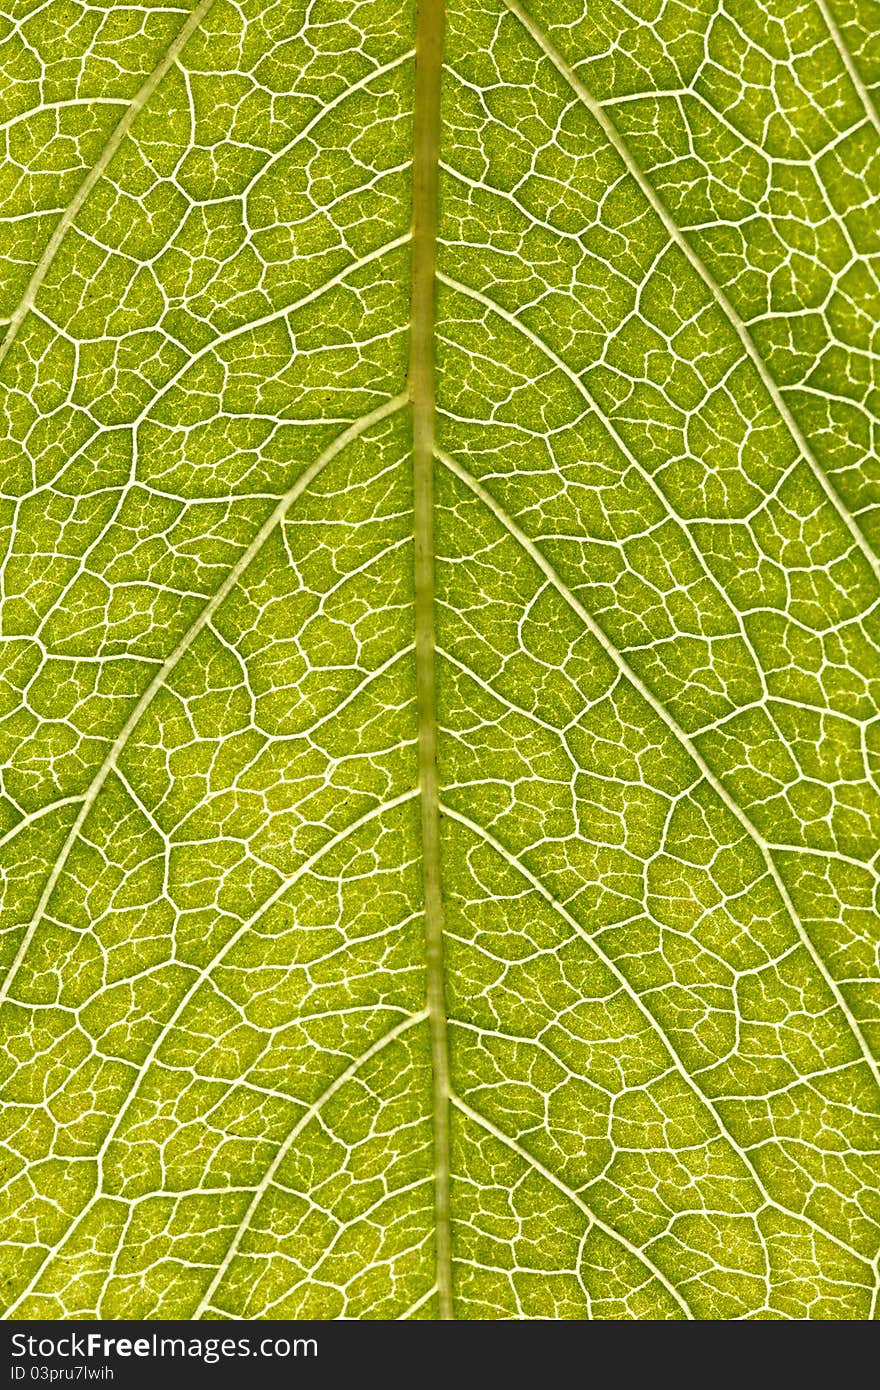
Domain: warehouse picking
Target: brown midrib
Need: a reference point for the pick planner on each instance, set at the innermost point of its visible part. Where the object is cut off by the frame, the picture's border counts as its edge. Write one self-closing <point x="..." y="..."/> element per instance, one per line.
<point x="426" y="139"/>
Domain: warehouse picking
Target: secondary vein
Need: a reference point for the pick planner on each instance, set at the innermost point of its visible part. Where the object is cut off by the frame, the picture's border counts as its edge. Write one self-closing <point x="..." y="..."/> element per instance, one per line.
<point x="304" y="481"/>
<point x="426" y="141"/>
<point x="120" y="130"/>
<point x="677" y="236"/>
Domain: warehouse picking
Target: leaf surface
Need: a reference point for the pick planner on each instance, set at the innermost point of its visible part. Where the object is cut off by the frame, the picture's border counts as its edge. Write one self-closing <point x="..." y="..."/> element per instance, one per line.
<point x="438" y="525"/>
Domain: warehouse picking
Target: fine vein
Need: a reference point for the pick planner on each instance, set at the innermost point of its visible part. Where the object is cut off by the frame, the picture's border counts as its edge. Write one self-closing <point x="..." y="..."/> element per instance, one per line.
<point x="612" y="134"/>
<point x="303" y="482"/>
<point x="285" y="885"/>
<point x="575" y="1198"/>
<point x="678" y="732"/>
<point x="849" y="63"/>
<point x="120" y="130"/>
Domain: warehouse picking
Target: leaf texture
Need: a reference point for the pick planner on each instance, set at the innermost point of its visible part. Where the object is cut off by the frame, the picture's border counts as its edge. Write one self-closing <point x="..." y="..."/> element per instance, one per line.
<point x="439" y="510"/>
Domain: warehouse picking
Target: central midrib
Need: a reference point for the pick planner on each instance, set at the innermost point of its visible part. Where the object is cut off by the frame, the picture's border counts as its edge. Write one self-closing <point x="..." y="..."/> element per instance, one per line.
<point x="426" y="139"/>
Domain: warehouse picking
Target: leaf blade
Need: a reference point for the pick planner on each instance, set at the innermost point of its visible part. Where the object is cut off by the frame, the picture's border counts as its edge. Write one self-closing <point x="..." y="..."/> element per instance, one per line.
<point x="652" y="670"/>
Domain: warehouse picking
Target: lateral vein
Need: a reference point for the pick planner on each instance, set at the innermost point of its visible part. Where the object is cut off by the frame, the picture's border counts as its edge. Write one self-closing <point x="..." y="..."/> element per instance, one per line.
<point x="305" y="1119"/>
<point x="204" y="974"/>
<point x="575" y="1198"/>
<point x="304" y="481"/>
<point x="850" y="64"/>
<point x="120" y="130"/>
<point x="614" y="137"/>
<point x="677" y="731"/>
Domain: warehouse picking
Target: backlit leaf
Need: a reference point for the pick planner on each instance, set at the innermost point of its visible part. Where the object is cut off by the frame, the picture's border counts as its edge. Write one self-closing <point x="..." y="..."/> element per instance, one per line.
<point x="439" y="508"/>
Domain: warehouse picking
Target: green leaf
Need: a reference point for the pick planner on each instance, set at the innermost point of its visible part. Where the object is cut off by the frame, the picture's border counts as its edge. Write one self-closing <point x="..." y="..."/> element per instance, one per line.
<point x="439" y="810"/>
